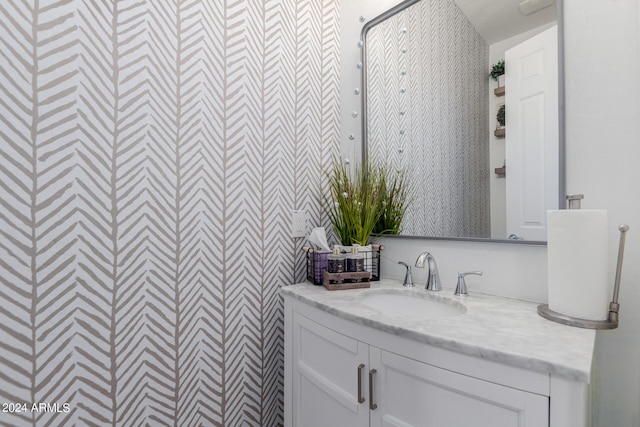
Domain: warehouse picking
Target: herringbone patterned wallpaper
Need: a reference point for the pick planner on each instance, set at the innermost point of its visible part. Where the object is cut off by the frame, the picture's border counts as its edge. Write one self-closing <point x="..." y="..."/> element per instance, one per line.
<point x="428" y="113"/>
<point x="152" y="152"/>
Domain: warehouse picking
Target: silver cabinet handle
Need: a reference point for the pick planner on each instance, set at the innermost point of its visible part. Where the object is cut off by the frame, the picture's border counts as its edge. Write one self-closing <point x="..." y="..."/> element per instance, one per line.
<point x="372" y="405"/>
<point x="360" y="396"/>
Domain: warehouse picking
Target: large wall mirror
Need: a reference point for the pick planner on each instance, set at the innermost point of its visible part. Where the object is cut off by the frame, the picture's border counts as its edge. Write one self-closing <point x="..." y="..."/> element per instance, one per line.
<point x="430" y="109"/>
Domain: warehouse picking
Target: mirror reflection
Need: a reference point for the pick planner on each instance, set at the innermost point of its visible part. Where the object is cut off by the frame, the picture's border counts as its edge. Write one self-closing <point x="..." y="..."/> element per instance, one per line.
<point x="431" y="109"/>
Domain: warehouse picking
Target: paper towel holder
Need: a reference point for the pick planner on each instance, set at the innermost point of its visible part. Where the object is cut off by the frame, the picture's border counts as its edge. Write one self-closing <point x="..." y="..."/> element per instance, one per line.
<point x="573" y="200"/>
<point x="614" y="306"/>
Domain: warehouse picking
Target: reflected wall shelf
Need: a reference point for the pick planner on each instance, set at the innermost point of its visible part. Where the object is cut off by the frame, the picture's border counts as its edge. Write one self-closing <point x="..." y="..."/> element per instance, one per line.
<point x="501" y="171"/>
<point x="499" y="91"/>
<point x="500" y="133"/>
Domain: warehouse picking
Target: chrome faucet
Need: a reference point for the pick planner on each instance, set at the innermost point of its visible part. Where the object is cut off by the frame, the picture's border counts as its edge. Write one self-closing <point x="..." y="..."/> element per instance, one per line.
<point x="433" y="278"/>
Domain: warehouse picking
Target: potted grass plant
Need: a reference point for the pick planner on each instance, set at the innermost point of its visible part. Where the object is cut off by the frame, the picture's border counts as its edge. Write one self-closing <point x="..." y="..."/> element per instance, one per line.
<point x="369" y="200"/>
<point x="353" y="209"/>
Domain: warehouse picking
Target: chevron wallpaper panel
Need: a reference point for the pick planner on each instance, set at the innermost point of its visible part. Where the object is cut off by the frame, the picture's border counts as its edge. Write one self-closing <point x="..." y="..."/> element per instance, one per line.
<point x="152" y="153"/>
<point x="437" y="94"/>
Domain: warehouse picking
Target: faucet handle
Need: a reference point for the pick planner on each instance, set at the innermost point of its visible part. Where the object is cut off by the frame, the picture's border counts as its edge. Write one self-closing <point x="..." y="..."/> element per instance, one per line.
<point x="408" y="280"/>
<point x="461" y="288"/>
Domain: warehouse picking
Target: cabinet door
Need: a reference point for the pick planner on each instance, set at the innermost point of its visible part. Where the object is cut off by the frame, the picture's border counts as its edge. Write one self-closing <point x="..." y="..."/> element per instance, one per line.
<point x="325" y="377"/>
<point x="410" y="393"/>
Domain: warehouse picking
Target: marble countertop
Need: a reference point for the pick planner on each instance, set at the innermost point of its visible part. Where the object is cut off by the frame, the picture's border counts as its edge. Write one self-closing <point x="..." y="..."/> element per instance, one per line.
<point x="503" y="330"/>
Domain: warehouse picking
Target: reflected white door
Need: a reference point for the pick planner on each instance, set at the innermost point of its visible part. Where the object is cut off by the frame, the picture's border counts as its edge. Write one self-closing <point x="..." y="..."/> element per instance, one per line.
<point x="532" y="134"/>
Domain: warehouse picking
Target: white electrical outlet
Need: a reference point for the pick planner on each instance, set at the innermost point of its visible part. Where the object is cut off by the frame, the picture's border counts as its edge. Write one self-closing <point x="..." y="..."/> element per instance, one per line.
<point x="298" y="223"/>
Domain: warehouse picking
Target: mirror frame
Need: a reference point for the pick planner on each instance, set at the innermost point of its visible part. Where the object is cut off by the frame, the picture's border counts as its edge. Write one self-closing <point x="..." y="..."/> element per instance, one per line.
<point x="561" y="117"/>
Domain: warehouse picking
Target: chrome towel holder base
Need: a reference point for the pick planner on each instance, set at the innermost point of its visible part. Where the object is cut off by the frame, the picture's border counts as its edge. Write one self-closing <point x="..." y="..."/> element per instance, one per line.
<point x="614" y="306"/>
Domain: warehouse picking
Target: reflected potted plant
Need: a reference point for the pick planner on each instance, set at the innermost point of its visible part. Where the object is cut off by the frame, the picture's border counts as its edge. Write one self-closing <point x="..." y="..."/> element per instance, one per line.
<point x="394" y="189"/>
<point x="500" y="117"/>
<point x="497" y="72"/>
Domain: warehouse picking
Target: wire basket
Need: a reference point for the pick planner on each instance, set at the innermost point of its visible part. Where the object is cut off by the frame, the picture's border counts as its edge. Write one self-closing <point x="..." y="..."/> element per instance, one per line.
<point x="317" y="263"/>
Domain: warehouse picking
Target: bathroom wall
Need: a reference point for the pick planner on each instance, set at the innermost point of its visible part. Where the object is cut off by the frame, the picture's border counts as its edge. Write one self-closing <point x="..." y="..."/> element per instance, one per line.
<point x="602" y="41"/>
<point x="152" y="153"/>
<point x="603" y="148"/>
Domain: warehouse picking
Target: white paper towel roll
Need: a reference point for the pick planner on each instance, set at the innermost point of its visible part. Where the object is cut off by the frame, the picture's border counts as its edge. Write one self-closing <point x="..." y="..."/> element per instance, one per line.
<point x="577" y="256"/>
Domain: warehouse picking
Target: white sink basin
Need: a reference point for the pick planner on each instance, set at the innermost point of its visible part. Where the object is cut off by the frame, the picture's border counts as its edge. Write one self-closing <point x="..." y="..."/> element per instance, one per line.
<point x="411" y="305"/>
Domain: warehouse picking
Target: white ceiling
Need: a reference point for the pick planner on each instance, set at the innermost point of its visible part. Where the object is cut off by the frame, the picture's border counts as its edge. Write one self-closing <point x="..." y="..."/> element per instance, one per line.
<point x="497" y="20"/>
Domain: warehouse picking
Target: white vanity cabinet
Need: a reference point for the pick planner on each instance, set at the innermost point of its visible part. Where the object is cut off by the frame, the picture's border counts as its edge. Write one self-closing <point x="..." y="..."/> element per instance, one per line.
<point x="499" y="364"/>
<point x="341" y="373"/>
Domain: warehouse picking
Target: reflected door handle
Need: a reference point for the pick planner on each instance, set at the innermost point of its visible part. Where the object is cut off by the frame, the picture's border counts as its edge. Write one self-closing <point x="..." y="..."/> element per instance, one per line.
<point x="372" y="405"/>
<point x="360" y="396"/>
